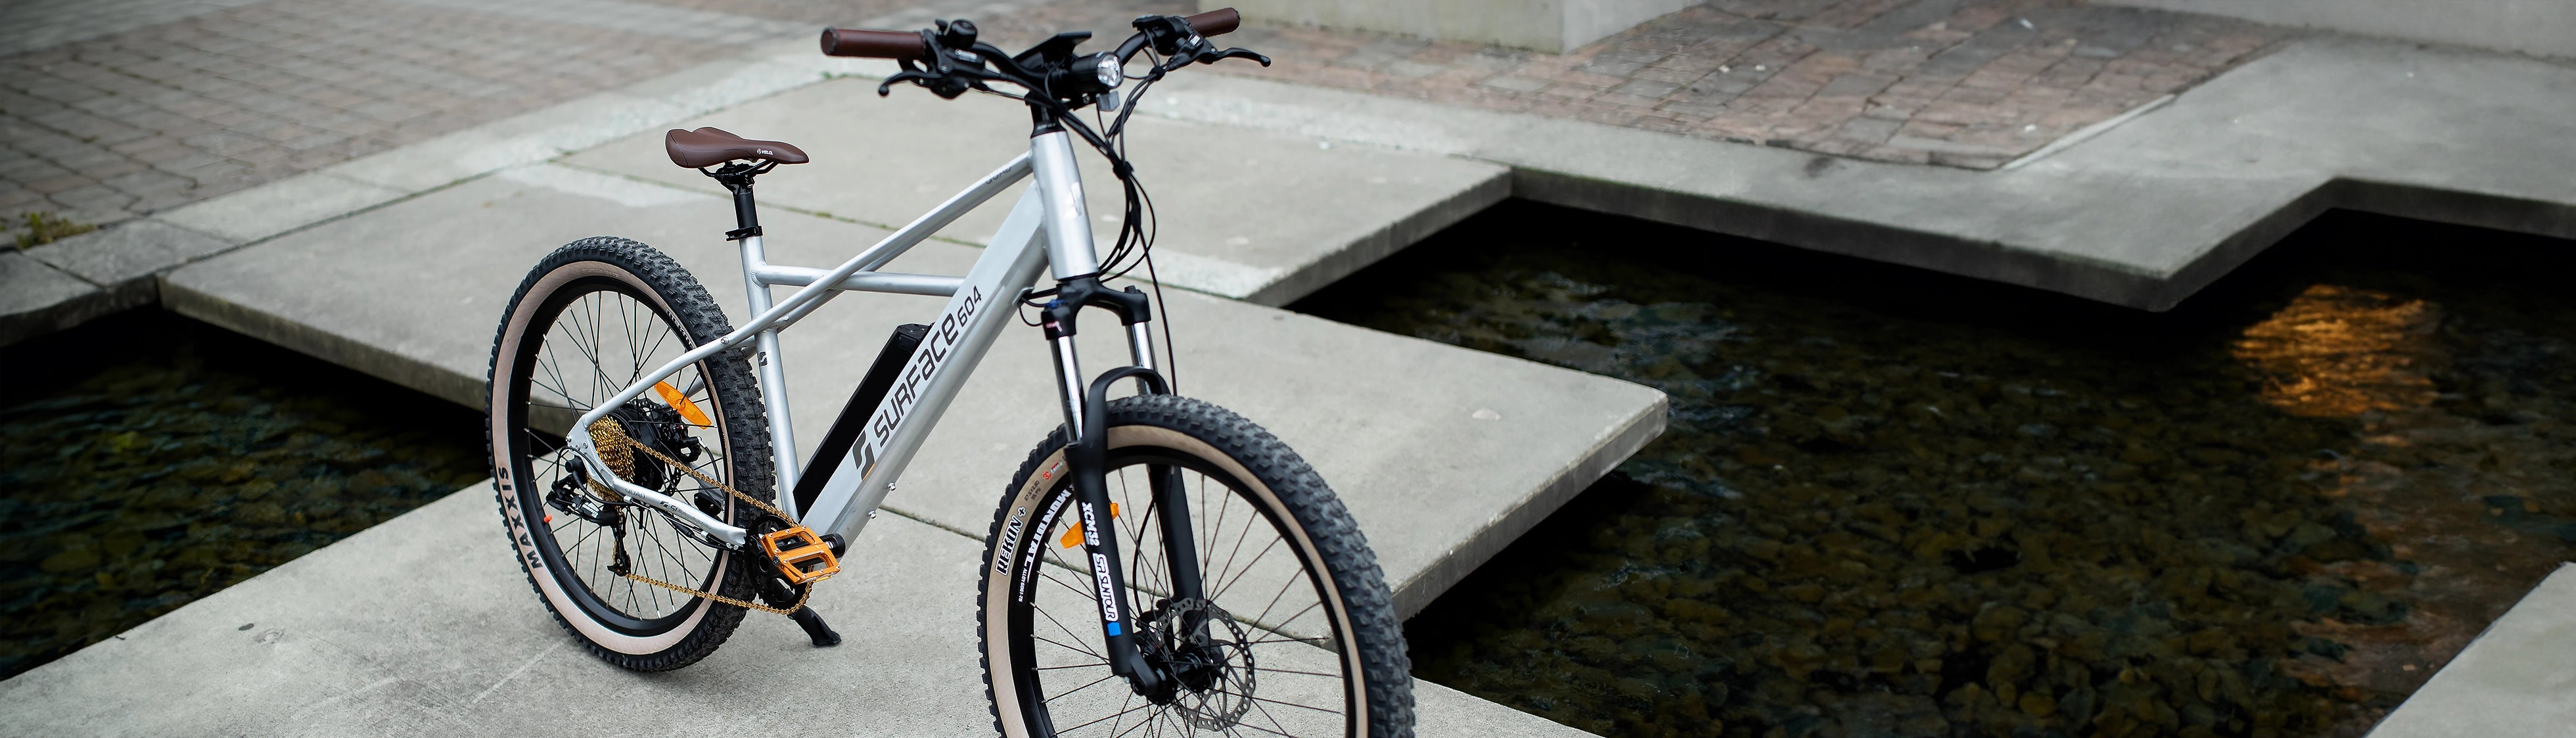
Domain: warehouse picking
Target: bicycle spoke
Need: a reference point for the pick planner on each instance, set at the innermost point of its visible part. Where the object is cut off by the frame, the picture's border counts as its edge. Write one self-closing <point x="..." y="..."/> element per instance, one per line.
<point x="1085" y="685"/>
<point x="1084" y="651"/>
<point x="1247" y="567"/>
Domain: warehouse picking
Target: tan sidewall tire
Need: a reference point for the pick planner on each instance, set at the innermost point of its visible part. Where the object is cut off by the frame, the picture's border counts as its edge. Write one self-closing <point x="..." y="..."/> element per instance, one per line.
<point x="1033" y="491"/>
<point x="547" y="584"/>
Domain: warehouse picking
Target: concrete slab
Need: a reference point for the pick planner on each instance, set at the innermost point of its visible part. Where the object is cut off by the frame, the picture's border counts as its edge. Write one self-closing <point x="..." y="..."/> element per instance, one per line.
<point x="127" y="251"/>
<point x="281" y="206"/>
<point x="410" y="292"/>
<point x="424" y="626"/>
<point x="1256" y="216"/>
<point x="2142" y="215"/>
<point x="36" y="298"/>
<point x="2512" y="682"/>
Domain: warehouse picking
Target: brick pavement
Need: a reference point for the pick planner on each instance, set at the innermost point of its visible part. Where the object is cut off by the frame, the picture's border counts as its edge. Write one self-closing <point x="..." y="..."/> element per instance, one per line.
<point x="1966" y="83"/>
<point x="195" y="99"/>
<point x="113" y="108"/>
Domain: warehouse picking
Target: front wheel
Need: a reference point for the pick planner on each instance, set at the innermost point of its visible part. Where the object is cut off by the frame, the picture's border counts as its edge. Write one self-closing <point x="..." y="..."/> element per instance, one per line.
<point x="1294" y="634"/>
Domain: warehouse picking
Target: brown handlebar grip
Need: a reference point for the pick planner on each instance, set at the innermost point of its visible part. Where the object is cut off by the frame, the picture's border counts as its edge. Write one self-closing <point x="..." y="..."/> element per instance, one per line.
<point x="872" y="44"/>
<point x="1220" y="20"/>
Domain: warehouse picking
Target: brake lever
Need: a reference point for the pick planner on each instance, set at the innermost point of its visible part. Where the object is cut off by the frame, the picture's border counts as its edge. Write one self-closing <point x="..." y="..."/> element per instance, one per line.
<point x="909" y="75"/>
<point x="1233" y="53"/>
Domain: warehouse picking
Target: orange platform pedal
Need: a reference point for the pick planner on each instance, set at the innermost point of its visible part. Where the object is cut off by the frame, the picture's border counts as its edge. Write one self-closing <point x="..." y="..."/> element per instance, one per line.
<point x="801" y="555"/>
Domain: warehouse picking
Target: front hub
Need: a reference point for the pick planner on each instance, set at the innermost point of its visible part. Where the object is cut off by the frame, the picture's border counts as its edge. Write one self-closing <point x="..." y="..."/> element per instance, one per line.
<point x="1204" y="664"/>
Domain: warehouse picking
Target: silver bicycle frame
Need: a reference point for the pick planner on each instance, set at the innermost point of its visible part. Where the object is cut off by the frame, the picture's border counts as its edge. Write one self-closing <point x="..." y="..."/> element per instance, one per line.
<point x="1047" y="226"/>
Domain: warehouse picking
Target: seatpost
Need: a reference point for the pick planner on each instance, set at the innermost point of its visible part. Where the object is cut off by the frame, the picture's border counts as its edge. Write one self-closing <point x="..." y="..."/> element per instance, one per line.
<point x="736" y="178"/>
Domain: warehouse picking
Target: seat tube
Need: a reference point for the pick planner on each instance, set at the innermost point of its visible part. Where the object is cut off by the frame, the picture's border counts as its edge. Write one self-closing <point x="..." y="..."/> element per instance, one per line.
<point x="773" y="377"/>
<point x="1070" y="252"/>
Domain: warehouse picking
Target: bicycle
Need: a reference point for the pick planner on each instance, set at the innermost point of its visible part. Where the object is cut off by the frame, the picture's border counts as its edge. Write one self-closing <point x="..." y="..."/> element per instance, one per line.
<point x="677" y="442"/>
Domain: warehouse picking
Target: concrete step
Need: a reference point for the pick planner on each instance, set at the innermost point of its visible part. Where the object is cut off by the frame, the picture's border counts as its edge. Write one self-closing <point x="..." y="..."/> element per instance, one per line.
<point x="2142" y="213"/>
<point x="2515" y="681"/>
<point x="1251" y="215"/>
<point x="1443" y="455"/>
<point x="424" y="626"/>
<point x="398" y="265"/>
<point x="411" y="292"/>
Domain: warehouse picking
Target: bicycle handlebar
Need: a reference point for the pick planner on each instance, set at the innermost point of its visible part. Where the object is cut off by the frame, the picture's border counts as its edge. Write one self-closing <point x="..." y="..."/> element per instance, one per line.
<point x="1215" y="22"/>
<point x="862" y="42"/>
<point x="875" y="44"/>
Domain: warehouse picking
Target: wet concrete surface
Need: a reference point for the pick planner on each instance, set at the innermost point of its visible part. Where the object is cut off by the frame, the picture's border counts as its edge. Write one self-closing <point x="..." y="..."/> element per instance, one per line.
<point x="1896" y="503"/>
<point x="147" y="460"/>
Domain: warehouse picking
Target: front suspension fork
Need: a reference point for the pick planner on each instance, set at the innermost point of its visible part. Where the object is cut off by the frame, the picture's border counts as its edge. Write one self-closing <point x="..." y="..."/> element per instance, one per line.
<point x="1086" y="407"/>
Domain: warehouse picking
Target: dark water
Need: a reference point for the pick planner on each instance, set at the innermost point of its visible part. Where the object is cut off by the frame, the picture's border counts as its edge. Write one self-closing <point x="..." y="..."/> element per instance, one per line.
<point x="1897" y="504"/>
<point x="148" y="460"/>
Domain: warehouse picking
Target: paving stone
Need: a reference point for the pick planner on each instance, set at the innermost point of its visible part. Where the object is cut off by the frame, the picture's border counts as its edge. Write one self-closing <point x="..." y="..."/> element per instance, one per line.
<point x="254" y="82"/>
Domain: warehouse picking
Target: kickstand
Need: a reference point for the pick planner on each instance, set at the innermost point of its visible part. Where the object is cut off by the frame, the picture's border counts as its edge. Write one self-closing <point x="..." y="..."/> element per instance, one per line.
<point x="779" y="594"/>
<point x="814" y="628"/>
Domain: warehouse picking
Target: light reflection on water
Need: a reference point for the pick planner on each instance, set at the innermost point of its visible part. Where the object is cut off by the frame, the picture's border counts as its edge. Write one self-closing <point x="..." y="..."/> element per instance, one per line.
<point x="2338" y="352"/>
<point x="1896" y="504"/>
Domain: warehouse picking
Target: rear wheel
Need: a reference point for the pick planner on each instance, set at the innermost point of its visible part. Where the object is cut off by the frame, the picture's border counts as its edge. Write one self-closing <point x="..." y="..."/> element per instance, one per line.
<point x="590" y="319"/>
<point x="1301" y="638"/>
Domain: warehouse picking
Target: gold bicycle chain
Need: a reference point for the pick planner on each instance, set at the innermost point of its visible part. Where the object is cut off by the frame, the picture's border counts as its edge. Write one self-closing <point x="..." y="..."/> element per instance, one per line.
<point x="606" y="434"/>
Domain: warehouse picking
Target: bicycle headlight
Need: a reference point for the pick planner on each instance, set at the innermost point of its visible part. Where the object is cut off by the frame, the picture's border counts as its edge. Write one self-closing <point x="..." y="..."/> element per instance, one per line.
<point x="1105" y="68"/>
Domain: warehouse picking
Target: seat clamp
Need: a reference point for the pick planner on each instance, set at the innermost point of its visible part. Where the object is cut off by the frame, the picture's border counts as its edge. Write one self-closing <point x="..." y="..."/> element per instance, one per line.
<point x="742" y="233"/>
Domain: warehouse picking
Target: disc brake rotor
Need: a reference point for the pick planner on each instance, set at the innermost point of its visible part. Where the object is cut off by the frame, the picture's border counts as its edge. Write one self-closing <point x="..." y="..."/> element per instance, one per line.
<point x="1213" y="665"/>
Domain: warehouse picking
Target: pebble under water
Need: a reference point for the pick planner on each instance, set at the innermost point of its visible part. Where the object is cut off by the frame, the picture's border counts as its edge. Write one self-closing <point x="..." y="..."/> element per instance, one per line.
<point x="1892" y="503"/>
<point x="148" y="460"/>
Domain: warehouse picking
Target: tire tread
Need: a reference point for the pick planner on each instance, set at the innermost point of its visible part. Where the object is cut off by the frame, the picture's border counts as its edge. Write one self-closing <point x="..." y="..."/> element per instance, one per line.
<point x="747" y="427"/>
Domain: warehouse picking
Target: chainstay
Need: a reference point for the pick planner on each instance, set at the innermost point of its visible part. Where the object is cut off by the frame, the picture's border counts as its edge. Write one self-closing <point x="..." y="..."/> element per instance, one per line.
<point x="804" y="592"/>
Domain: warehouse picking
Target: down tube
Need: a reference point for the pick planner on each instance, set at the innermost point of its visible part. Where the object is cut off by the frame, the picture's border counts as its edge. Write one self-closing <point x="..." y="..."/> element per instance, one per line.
<point x="984" y="304"/>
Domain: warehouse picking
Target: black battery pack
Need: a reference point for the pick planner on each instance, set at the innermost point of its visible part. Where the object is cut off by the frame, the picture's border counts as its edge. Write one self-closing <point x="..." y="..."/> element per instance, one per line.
<point x="854" y="416"/>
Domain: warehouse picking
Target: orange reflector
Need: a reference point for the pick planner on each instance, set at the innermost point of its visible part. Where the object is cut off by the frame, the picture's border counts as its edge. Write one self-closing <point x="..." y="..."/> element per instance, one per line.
<point x="1073" y="533"/>
<point x="688" y="410"/>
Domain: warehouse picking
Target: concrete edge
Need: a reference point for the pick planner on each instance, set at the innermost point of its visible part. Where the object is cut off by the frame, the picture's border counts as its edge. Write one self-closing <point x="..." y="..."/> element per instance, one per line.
<point x="2449" y="206"/>
<point x="92" y="303"/>
<point x="1415" y="125"/>
<point x="2087" y="133"/>
<point x="106" y="298"/>
<point x="1815" y="231"/>
<point x="1305" y="279"/>
<point x="2565" y="569"/>
<point x="345" y="352"/>
<point x="1613" y="449"/>
<point x="2457" y="207"/>
<point x="1940" y="252"/>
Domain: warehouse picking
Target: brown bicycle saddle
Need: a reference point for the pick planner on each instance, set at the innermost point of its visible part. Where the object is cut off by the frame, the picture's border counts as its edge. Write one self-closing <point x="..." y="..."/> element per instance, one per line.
<point x="706" y="147"/>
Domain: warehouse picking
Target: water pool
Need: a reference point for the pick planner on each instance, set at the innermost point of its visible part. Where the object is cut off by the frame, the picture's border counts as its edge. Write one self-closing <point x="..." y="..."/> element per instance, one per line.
<point x="147" y="460"/>
<point x="1895" y="503"/>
